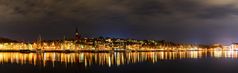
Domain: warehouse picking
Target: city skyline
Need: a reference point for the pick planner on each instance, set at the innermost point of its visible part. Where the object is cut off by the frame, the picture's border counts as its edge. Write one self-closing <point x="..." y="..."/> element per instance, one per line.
<point x="118" y="36"/>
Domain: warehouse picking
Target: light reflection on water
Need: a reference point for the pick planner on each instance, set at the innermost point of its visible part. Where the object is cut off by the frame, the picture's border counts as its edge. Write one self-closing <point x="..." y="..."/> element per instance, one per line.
<point x="107" y="59"/>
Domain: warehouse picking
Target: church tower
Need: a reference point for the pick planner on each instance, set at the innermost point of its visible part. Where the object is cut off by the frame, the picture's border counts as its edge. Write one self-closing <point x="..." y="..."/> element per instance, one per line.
<point x="77" y="35"/>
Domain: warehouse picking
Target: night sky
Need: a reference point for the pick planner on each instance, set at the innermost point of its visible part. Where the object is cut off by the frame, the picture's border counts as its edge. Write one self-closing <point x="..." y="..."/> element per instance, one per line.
<point x="185" y="21"/>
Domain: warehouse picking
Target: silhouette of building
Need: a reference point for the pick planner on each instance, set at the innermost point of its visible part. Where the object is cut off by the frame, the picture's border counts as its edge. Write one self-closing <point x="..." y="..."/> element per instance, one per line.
<point x="77" y="35"/>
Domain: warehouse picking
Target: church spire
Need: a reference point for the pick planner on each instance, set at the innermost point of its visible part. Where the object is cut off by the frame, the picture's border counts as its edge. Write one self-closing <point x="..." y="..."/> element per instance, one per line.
<point x="77" y="35"/>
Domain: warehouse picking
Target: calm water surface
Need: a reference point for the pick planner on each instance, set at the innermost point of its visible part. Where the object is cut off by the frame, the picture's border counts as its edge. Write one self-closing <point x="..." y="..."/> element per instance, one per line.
<point x="130" y="62"/>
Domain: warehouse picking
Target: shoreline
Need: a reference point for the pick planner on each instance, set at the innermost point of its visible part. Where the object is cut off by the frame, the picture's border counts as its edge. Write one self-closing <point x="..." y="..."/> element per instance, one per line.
<point x="100" y="51"/>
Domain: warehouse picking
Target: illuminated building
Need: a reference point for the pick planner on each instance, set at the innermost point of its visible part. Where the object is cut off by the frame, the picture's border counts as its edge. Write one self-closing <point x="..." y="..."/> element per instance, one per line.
<point x="234" y="46"/>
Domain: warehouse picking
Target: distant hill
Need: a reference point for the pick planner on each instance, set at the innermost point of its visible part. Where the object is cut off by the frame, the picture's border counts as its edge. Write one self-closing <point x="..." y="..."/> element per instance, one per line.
<point x="5" y="40"/>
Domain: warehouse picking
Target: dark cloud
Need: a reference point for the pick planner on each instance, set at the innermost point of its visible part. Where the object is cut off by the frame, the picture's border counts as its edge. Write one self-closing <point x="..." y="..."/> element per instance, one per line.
<point x="210" y="21"/>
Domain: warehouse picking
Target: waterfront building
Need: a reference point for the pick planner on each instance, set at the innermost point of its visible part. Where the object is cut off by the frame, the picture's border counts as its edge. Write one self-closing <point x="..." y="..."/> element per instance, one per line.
<point x="234" y="46"/>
